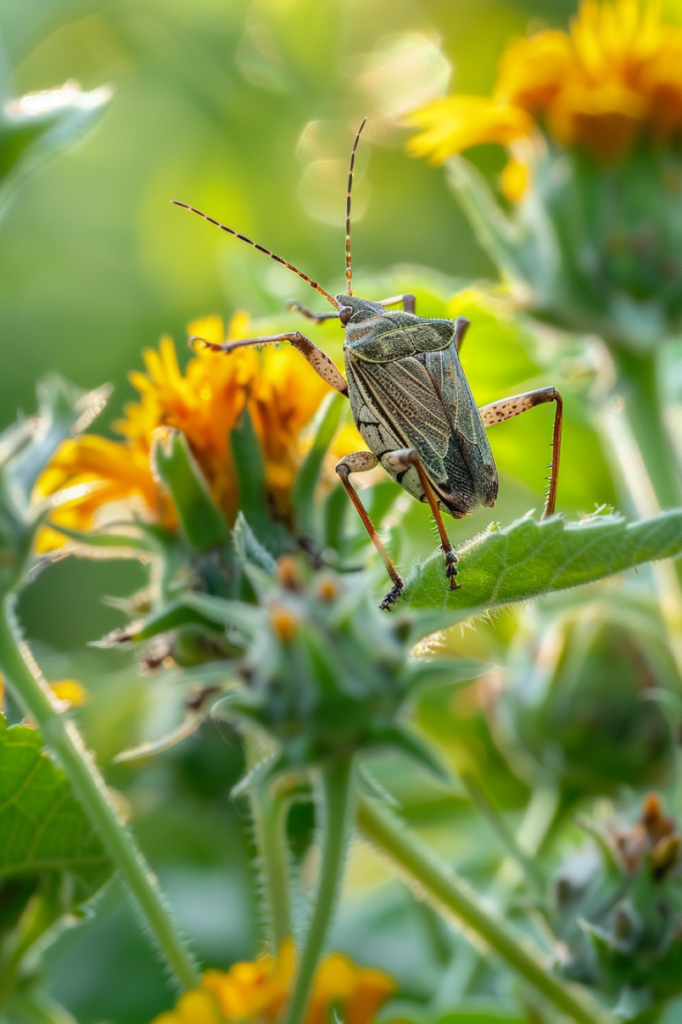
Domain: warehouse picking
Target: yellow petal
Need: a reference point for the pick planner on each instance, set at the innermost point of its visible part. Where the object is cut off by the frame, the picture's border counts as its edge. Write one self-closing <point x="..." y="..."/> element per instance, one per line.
<point x="240" y="326"/>
<point x="71" y="691"/>
<point x="372" y="989"/>
<point x="208" y="327"/>
<point x="196" y="1008"/>
<point x="532" y="70"/>
<point x="514" y="180"/>
<point x="456" y="123"/>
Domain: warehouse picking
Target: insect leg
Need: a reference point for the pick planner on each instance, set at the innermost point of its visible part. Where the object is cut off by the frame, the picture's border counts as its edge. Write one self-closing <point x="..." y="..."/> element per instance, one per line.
<point x="318" y="359"/>
<point x="408" y="301"/>
<point x="460" y="330"/>
<point x="507" y="408"/>
<point x="400" y="461"/>
<point x="361" y="462"/>
<point x="317" y="318"/>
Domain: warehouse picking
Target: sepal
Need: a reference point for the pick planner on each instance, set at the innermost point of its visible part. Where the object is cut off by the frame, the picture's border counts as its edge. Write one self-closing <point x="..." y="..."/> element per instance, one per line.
<point x="202" y="523"/>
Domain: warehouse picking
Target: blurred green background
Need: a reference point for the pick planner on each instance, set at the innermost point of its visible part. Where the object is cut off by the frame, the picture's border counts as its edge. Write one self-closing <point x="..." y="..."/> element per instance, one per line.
<point x="246" y="110"/>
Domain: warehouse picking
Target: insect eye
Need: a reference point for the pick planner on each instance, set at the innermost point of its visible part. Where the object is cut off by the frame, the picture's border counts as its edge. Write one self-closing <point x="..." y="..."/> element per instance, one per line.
<point x="345" y="313"/>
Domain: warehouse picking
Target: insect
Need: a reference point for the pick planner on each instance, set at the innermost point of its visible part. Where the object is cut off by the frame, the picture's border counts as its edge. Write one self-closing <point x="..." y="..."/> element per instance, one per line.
<point x="410" y="400"/>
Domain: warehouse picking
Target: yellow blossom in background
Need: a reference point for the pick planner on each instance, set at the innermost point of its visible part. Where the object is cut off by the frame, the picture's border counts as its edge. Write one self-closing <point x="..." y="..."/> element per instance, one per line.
<point x="70" y="691"/>
<point x="280" y="389"/>
<point x="613" y="80"/>
<point x="255" y="993"/>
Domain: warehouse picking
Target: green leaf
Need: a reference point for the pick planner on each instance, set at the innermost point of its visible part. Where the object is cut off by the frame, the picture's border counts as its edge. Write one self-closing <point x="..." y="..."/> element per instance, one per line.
<point x="202" y="522"/>
<point x="107" y="539"/>
<point x="34" y="127"/>
<point x="25" y="451"/>
<point x="398" y="737"/>
<point x="529" y="558"/>
<point x="42" y="827"/>
<point x="257" y="564"/>
<point x="501" y="237"/>
<point x="250" y="468"/>
<point x="426" y="672"/>
<point x="171" y="617"/>
<point x="64" y="410"/>
<point x="249" y="551"/>
<point x="303" y="494"/>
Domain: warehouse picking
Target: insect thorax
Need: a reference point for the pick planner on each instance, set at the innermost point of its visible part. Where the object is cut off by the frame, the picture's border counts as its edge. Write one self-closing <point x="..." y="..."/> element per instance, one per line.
<point x="378" y="335"/>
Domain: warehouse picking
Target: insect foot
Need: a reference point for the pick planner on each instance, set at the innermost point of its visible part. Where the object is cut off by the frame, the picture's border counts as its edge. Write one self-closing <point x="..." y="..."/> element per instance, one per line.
<point x="451" y="570"/>
<point x="392" y="596"/>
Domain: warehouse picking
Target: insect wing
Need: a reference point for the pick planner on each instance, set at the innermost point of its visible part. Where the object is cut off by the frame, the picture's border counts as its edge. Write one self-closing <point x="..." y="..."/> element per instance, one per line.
<point x="400" y="405"/>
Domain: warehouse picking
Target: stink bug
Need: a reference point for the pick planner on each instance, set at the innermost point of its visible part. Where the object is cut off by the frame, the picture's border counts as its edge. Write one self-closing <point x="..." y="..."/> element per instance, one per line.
<point x="410" y="400"/>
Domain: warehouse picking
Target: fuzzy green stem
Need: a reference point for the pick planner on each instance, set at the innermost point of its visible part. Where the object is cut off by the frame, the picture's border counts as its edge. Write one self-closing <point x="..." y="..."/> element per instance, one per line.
<point x="336" y="798"/>
<point x="648" y="467"/>
<point x="451" y="894"/>
<point x="33" y="695"/>
<point x="269" y="816"/>
<point x="637" y="381"/>
<point x="528" y="865"/>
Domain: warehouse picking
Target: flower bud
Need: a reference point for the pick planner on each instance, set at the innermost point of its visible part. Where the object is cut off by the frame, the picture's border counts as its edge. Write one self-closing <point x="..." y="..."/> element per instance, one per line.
<point x="580" y="697"/>
<point x="616" y="274"/>
<point x="616" y="912"/>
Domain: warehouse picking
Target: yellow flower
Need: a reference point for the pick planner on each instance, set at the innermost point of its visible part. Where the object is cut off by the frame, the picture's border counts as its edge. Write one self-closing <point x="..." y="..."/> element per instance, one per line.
<point x="613" y="80"/>
<point x="71" y="692"/>
<point x="256" y="992"/>
<point x="458" y="122"/>
<point x="280" y="389"/>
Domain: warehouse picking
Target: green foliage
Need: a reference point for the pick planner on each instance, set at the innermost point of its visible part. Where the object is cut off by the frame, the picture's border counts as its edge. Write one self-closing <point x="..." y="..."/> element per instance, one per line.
<point x="42" y="827"/>
<point x="529" y="558"/>
<point x="585" y="695"/>
<point x="26" y="448"/>
<point x="52" y="862"/>
<point x="249" y="465"/>
<point x="202" y="523"/>
<point x="34" y="127"/>
<point x="617" y="905"/>
<point x="598" y="247"/>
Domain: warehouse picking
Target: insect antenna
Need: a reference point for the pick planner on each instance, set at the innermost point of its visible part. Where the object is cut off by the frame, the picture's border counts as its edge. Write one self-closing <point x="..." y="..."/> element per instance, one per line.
<point x="261" y="248"/>
<point x="349" y="269"/>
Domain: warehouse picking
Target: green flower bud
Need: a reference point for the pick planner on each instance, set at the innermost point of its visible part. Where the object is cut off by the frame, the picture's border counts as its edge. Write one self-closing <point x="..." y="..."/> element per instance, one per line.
<point x="325" y="672"/>
<point x="617" y="912"/>
<point x="591" y="247"/>
<point x="580" y="698"/>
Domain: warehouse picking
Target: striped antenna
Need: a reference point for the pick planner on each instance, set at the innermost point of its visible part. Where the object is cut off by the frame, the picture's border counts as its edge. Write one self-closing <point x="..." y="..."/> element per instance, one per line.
<point x="261" y="248"/>
<point x="349" y="270"/>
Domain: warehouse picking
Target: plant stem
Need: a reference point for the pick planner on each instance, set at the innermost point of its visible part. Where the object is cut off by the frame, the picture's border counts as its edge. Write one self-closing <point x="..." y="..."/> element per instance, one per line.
<point x="417" y="864"/>
<point x="269" y="819"/>
<point x="542" y="814"/>
<point x="528" y="865"/>
<point x="648" y="467"/>
<point x="34" y="696"/>
<point x="637" y="381"/>
<point x="336" y="798"/>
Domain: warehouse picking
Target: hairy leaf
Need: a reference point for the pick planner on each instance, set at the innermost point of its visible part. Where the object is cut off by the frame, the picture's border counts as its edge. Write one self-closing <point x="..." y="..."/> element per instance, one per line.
<point x="530" y="558"/>
<point x="249" y="465"/>
<point x="42" y="827"/>
<point x="32" y="128"/>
